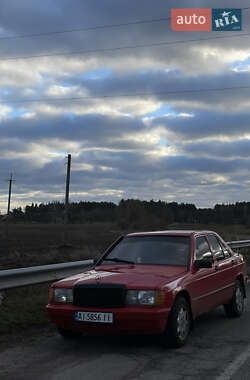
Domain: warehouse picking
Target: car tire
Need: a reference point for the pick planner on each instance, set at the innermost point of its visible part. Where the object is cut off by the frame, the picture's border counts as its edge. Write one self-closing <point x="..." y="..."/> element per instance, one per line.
<point x="178" y="324"/>
<point x="68" y="334"/>
<point x="236" y="306"/>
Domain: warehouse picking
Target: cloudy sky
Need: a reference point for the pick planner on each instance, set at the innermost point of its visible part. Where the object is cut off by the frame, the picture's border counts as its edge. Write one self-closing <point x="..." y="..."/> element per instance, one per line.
<point x="146" y="112"/>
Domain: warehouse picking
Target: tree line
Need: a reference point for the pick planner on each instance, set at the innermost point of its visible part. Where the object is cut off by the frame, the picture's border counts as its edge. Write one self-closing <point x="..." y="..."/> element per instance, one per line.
<point x="133" y="213"/>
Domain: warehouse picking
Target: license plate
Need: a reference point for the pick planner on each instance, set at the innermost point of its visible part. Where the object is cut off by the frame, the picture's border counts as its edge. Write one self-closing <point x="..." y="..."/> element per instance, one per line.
<point x="92" y="316"/>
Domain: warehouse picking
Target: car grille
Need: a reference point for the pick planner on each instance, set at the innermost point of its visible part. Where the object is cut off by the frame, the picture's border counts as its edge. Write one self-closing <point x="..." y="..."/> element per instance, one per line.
<point x="99" y="295"/>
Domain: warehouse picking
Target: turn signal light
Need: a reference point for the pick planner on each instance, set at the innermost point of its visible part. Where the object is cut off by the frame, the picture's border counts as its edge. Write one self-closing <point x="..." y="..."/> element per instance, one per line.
<point x="51" y="295"/>
<point x="159" y="298"/>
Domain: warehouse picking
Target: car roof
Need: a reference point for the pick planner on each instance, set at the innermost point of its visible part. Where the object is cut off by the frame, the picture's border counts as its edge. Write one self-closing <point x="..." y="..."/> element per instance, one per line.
<point x="170" y="233"/>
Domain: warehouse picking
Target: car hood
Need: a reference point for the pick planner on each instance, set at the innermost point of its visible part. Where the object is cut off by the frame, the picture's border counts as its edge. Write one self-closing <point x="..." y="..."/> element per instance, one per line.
<point x="133" y="276"/>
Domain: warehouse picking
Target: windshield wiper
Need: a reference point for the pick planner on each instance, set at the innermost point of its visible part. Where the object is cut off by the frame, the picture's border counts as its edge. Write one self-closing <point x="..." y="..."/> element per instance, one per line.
<point x="116" y="260"/>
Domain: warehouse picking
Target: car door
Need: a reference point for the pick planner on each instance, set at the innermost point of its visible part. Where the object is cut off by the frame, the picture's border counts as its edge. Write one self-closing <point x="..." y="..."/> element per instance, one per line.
<point x="204" y="280"/>
<point x="224" y="266"/>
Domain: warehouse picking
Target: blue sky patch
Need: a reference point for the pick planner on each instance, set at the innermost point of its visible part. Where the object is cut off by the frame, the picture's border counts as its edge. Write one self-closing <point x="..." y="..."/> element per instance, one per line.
<point x="241" y="65"/>
<point x="163" y="141"/>
<point x="97" y="74"/>
<point x="69" y="115"/>
<point x="66" y="85"/>
<point x="17" y="113"/>
<point x="163" y="110"/>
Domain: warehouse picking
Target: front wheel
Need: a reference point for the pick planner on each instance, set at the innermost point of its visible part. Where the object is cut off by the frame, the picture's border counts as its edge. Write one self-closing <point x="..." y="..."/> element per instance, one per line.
<point x="236" y="306"/>
<point x="179" y="324"/>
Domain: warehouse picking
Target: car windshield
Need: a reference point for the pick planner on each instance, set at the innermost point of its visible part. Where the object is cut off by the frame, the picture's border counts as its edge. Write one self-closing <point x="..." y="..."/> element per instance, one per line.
<point x="150" y="250"/>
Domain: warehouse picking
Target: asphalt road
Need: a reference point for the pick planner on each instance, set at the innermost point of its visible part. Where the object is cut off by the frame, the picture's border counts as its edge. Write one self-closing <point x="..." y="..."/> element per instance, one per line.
<point x="218" y="348"/>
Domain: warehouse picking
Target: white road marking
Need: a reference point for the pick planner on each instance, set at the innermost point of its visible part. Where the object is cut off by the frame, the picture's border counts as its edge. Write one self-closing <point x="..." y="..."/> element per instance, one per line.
<point x="235" y="365"/>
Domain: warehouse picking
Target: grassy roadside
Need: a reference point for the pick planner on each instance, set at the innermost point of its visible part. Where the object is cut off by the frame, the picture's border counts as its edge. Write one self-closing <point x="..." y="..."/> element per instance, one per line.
<point x="23" y="308"/>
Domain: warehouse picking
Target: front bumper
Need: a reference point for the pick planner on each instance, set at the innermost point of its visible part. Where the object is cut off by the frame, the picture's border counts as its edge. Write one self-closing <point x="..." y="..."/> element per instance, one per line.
<point x="130" y="319"/>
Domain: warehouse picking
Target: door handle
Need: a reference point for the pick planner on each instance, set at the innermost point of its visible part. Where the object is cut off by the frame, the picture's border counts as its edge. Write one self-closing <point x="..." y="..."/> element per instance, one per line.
<point x="216" y="267"/>
<point x="233" y="262"/>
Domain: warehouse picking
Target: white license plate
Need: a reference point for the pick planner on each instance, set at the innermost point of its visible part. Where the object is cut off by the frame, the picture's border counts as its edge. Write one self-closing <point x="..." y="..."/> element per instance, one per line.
<point x="92" y="316"/>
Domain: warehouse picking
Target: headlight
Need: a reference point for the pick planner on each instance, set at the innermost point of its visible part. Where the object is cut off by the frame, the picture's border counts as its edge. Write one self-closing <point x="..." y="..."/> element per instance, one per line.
<point x="62" y="295"/>
<point x="145" y="297"/>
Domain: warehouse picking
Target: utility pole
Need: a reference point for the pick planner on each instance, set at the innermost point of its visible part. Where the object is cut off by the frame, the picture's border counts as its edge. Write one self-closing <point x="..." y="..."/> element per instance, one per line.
<point x="66" y="207"/>
<point x="10" y="188"/>
<point x="66" y="204"/>
<point x="8" y="210"/>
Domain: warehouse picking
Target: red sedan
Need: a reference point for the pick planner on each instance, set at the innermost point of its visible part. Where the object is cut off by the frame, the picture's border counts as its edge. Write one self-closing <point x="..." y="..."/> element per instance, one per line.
<point x="153" y="283"/>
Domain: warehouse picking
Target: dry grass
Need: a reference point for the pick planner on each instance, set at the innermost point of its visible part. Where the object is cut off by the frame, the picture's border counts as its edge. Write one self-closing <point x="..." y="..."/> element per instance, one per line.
<point x="23" y="308"/>
<point x="40" y="244"/>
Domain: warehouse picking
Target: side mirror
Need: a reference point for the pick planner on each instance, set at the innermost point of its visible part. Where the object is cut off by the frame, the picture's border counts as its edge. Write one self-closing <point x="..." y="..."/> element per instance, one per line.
<point x="205" y="262"/>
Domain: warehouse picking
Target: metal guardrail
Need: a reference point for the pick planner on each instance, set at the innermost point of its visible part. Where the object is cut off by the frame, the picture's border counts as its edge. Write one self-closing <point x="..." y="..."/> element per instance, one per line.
<point x="14" y="278"/>
<point x="238" y="244"/>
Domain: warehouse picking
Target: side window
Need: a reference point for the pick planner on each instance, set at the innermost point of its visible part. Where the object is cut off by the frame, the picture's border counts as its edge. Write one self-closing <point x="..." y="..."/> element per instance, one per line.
<point x="225" y="250"/>
<point x="201" y="247"/>
<point x="216" y="247"/>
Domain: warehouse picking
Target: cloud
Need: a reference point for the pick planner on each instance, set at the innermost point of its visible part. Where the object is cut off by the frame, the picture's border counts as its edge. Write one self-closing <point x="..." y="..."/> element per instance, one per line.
<point x="206" y="125"/>
<point x="176" y="143"/>
<point x="222" y="149"/>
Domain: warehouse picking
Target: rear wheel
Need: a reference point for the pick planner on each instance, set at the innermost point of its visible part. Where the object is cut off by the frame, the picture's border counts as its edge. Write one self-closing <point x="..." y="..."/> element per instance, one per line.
<point x="236" y="306"/>
<point x="68" y="334"/>
<point x="179" y="324"/>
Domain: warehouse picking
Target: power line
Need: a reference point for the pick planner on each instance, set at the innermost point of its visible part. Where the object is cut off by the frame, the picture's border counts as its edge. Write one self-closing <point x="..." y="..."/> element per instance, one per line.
<point x="144" y="94"/>
<point x="87" y="29"/>
<point x="155" y="44"/>
<point x="96" y="27"/>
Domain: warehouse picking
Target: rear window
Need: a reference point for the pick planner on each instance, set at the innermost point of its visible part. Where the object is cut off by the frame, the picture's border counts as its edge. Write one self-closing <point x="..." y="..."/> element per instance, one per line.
<point x="152" y="250"/>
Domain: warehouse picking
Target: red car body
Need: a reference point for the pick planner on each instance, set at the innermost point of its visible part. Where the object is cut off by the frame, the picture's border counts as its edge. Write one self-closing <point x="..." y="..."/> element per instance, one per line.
<point x="203" y="288"/>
